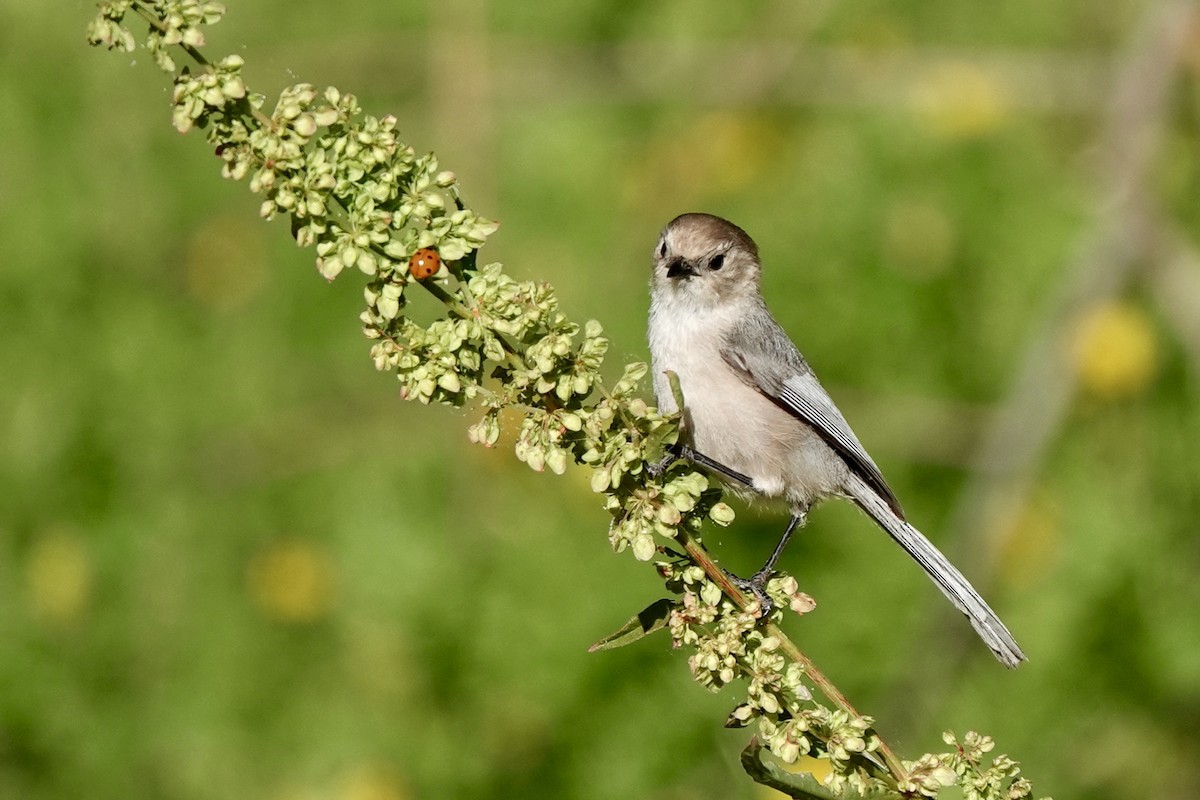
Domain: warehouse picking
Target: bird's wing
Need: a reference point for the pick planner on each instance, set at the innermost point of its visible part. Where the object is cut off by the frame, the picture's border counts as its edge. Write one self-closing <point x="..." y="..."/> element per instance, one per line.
<point x="763" y="355"/>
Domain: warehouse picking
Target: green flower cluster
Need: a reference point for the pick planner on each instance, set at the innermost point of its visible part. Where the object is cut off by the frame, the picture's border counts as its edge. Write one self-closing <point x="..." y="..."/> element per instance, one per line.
<point x="641" y="509"/>
<point x="366" y="201"/>
<point x="195" y="96"/>
<point x="175" y="22"/>
<point x="927" y="776"/>
<point x="438" y="364"/>
<point x="105" y="30"/>
<point x="553" y="367"/>
<point x="349" y="185"/>
<point x="963" y="767"/>
<point x="823" y="733"/>
<point x="728" y="644"/>
<point x="1000" y="779"/>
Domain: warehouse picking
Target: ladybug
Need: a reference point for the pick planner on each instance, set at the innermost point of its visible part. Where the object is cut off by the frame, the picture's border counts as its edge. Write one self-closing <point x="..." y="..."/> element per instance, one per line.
<point x="424" y="263"/>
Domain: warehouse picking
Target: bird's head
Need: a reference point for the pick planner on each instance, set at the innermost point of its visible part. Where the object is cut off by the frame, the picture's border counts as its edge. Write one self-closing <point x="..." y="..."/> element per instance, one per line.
<point x="702" y="261"/>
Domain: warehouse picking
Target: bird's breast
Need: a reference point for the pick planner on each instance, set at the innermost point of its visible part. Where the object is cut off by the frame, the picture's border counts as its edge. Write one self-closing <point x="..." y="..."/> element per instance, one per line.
<point x="728" y="420"/>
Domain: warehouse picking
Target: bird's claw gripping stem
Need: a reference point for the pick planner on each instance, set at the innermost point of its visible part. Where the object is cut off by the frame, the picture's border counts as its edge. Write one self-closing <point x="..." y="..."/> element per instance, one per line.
<point x="756" y="587"/>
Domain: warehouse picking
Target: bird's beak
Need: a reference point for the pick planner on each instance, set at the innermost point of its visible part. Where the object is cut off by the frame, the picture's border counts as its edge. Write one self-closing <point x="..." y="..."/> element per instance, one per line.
<point x="677" y="266"/>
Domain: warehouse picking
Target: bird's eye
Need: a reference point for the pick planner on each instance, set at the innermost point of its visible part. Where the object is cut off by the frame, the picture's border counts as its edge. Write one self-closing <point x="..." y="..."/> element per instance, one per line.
<point x="662" y="248"/>
<point x="717" y="261"/>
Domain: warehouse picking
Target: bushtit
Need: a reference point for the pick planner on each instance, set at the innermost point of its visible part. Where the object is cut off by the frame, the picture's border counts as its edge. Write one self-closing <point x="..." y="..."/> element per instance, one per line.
<point x="754" y="410"/>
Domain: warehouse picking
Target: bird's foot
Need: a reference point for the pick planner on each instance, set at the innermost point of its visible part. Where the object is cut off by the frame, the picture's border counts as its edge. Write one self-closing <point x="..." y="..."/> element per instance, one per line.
<point x="756" y="587"/>
<point x="659" y="468"/>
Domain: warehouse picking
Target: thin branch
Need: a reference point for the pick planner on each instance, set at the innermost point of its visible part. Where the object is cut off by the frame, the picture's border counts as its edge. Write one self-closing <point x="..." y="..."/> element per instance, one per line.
<point x="827" y="688"/>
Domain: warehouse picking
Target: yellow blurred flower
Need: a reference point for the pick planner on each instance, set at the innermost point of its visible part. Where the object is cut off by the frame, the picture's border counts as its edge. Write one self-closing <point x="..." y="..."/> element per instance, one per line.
<point x="292" y="581"/>
<point x="372" y="782"/>
<point x="1115" y="350"/>
<point x="959" y="100"/>
<point x="59" y="578"/>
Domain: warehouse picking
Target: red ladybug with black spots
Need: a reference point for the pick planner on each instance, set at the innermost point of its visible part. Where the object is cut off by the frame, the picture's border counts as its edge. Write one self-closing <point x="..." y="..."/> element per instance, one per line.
<point x="424" y="263"/>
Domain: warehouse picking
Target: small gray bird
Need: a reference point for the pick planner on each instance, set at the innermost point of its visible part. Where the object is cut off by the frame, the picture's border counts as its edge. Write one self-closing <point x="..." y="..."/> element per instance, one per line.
<point x="757" y="414"/>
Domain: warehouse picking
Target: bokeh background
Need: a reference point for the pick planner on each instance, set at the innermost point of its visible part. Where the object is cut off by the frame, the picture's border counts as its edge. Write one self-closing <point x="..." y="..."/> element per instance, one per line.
<point x="233" y="564"/>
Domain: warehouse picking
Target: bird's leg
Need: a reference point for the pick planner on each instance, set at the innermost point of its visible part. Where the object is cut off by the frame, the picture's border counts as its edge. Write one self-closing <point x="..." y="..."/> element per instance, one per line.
<point x="682" y="451"/>
<point x="714" y="465"/>
<point x="757" y="583"/>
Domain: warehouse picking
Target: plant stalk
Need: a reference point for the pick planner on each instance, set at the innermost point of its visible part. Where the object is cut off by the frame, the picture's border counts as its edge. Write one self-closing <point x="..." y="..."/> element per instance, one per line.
<point x="895" y="772"/>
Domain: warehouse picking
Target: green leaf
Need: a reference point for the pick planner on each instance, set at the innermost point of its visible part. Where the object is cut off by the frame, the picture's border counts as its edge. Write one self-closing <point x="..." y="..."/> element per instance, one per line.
<point x="645" y="622"/>
<point x="676" y="390"/>
<point x="654" y="446"/>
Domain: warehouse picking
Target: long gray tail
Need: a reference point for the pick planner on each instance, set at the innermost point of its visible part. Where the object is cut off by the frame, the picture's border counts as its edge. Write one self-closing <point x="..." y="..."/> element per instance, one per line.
<point x="948" y="579"/>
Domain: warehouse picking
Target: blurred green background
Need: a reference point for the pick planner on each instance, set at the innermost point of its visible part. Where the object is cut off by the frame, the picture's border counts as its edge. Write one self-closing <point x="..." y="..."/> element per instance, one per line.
<point x="233" y="564"/>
